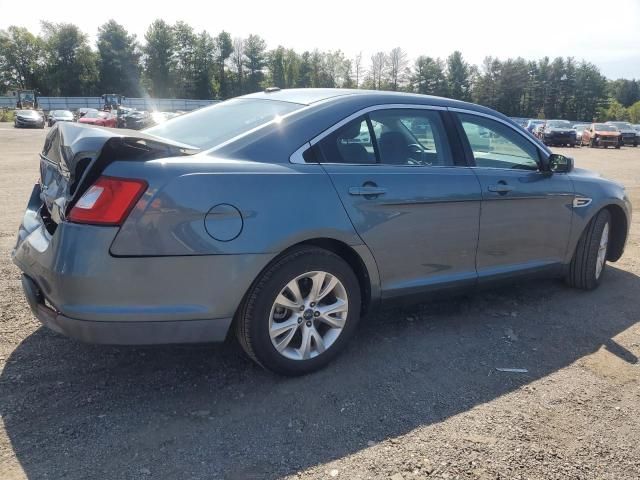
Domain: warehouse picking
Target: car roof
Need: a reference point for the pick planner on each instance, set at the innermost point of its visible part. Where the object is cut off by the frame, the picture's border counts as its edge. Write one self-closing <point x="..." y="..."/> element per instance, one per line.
<point x="309" y="96"/>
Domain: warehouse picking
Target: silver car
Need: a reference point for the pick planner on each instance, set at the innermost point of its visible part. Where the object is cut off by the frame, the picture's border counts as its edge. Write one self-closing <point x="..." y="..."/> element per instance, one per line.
<point x="283" y="216"/>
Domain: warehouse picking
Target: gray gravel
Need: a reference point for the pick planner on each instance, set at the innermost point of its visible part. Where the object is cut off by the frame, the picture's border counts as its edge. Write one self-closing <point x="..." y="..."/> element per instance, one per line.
<point x="417" y="394"/>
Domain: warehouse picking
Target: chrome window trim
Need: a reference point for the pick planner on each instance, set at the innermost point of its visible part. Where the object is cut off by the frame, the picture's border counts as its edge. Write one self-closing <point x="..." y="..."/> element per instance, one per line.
<point x="296" y="157"/>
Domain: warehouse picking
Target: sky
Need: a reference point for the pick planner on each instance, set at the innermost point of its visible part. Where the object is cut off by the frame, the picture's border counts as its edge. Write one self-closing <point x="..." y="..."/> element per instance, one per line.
<point x="605" y="33"/>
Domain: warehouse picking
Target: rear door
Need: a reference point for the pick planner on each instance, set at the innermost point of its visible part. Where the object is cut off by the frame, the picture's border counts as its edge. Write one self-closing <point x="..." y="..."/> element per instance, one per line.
<point x="526" y="211"/>
<point x="409" y="195"/>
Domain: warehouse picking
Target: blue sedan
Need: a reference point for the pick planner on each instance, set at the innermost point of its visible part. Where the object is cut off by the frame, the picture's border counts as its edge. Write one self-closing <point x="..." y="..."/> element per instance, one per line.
<point x="284" y="215"/>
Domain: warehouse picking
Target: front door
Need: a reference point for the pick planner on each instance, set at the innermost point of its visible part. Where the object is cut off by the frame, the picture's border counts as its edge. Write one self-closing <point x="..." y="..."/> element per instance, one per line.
<point x="525" y="220"/>
<point x="413" y="207"/>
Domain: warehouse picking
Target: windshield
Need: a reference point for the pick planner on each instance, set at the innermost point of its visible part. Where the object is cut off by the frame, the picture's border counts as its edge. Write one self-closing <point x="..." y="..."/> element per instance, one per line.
<point x="605" y="128"/>
<point x="62" y="113"/>
<point x="211" y="126"/>
<point x="581" y="126"/>
<point x="558" y="124"/>
<point x="28" y="113"/>
<point x="622" y="125"/>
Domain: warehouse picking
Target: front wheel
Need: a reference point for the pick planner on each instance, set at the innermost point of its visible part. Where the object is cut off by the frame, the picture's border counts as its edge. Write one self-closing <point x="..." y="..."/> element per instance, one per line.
<point x="300" y="312"/>
<point x="590" y="258"/>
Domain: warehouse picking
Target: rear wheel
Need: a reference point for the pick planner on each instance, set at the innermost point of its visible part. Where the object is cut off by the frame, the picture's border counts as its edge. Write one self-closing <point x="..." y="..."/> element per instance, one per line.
<point x="300" y="313"/>
<point x="590" y="258"/>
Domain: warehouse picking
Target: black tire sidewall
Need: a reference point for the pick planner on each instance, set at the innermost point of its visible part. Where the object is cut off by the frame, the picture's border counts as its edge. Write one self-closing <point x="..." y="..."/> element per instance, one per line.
<point x="265" y="293"/>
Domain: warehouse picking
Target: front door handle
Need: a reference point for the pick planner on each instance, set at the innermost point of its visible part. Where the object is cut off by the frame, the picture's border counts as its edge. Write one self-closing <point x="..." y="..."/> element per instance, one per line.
<point x="501" y="188"/>
<point x="367" y="191"/>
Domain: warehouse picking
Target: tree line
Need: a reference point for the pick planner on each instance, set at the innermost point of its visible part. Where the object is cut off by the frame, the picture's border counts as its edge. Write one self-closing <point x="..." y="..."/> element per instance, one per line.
<point x="176" y="61"/>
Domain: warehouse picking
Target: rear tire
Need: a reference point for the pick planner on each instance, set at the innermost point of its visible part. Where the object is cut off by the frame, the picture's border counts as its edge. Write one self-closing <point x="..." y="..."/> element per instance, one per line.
<point x="261" y="316"/>
<point x="589" y="260"/>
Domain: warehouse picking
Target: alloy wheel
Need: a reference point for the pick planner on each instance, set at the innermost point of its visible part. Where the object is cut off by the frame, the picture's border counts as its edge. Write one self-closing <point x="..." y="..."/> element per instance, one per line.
<point x="308" y="315"/>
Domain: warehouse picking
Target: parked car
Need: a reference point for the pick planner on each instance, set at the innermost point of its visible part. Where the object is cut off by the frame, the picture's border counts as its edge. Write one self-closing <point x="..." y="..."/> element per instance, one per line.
<point x="601" y="135"/>
<point x="60" y="116"/>
<point x="81" y="112"/>
<point x="558" y="132"/>
<point x="135" y="119"/>
<point x="628" y="134"/>
<point x="532" y="124"/>
<point x="579" y="128"/>
<point x="28" y="119"/>
<point x="101" y="119"/>
<point x="537" y="130"/>
<point x="262" y="215"/>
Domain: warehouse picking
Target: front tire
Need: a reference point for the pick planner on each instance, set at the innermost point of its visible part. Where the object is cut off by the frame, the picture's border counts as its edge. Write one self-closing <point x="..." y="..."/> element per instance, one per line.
<point x="590" y="258"/>
<point x="300" y="312"/>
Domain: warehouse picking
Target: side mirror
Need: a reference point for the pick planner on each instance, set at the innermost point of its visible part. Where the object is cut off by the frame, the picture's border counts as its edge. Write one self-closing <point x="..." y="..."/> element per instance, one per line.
<point x="559" y="163"/>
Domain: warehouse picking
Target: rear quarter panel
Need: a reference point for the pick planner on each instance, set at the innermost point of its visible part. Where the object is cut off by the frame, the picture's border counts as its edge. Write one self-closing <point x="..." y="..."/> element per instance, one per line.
<point x="280" y="205"/>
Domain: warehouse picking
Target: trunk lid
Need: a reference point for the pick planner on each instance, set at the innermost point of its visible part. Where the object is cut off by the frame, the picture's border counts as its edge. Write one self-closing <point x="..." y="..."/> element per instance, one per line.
<point x="74" y="156"/>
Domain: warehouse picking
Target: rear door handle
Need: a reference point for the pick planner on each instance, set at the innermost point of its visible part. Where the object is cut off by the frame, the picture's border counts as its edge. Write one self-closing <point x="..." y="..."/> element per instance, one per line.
<point x="366" y="191"/>
<point x="501" y="188"/>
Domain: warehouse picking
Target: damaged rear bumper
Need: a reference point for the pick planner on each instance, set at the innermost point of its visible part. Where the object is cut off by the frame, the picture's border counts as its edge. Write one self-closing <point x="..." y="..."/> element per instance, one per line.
<point x="76" y="287"/>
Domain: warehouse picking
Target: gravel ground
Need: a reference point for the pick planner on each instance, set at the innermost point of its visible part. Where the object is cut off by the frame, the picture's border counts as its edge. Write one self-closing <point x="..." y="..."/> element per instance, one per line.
<point x="417" y="394"/>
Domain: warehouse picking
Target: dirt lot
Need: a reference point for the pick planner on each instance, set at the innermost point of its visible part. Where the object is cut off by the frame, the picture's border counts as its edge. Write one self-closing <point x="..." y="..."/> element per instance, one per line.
<point x="417" y="395"/>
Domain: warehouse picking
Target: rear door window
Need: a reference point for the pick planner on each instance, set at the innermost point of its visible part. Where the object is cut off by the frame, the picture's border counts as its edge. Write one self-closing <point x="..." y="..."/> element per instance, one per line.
<point x="411" y="137"/>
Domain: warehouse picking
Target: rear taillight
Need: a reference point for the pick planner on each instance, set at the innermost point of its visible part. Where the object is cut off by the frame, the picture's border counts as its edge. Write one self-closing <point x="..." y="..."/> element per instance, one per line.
<point x="108" y="201"/>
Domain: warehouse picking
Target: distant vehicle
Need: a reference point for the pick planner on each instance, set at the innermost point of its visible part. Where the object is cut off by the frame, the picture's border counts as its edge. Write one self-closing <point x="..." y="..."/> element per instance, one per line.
<point x="537" y="130"/>
<point x="628" y="134"/>
<point x="520" y="121"/>
<point x="558" y="132"/>
<point x="28" y="118"/>
<point x="60" y="116"/>
<point x="112" y="101"/>
<point x="135" y="120"/>
<point x="636" y="127"/>
<point x="83" y="111"/>
<point x="101" y="119"/>
<point x="27" y="100"/>
<point x="261" y="216"/>
<point x="532" y="124"/>
<point x="601" y="135"/>
<point x="579" y="128"/>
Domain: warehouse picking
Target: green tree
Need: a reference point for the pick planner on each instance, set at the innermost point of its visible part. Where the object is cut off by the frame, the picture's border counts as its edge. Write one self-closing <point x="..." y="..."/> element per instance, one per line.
<point x="458" y="77"/>
<point x="224" y="47"/>
<point x="626" y="92"/>
<point x="159" y="58"/>
<point x="398" y="68"/>
<point x="71" y="64"/>
<point x="276" y="68"/>
<point x="634" y="112"/>
<point x="614" y="111"/>
<point x="429" y="77"/>
<point x="590" y="91"/>
<point x="21" y="59"/>
<point x="255" y="51"/>
<point x="118" y="60"/>
<point x="184" y="74"/>
<point x="204" y="67"/>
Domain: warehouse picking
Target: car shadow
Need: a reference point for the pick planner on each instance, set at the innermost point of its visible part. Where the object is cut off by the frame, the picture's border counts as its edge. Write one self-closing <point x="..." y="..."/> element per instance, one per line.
<point x="73" y="410"/>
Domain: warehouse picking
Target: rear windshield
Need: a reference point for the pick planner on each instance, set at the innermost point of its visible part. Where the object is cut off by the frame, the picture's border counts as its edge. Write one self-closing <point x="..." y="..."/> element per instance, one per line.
<point x="211" y="126"/>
